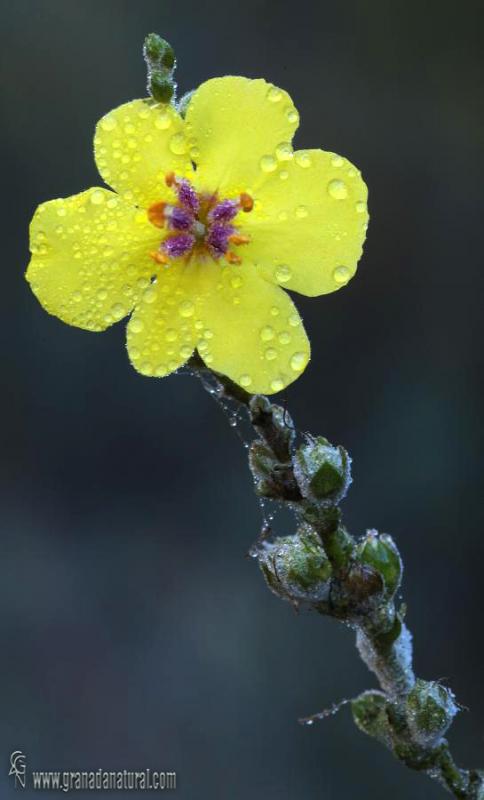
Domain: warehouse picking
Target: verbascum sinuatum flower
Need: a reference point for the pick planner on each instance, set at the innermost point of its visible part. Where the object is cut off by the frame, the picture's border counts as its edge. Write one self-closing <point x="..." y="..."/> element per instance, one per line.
<point x="211" y="218"/>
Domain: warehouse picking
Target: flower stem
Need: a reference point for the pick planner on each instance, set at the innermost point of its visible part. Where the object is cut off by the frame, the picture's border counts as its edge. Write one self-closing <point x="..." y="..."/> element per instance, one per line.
<point x="323" y="567"/>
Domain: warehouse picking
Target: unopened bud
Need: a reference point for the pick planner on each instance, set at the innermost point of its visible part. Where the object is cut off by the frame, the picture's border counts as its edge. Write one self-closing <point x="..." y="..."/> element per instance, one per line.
<point x="380" y="552"/>
<point x="430" y="709"/>
<point x="370" y="715"/>
<point x="296" y="567"/>
<point x="322" y="471"/>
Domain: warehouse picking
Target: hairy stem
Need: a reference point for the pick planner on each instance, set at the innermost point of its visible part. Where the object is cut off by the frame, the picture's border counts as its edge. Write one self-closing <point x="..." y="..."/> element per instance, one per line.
<point x="323" y="567"/>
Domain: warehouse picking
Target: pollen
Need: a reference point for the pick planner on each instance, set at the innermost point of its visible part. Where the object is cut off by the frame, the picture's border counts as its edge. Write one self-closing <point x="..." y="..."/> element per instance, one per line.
<point x="198" y="224"/>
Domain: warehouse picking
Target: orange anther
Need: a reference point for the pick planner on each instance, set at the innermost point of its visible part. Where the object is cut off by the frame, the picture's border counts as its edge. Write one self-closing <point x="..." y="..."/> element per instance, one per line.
<point x="238" y="238"/>
<point x="170" y="178"/>
<point x="232" y="258"/>
<point x="159" y="257"/>
<point x="246" y="202"/>
<point x="156" y="214"/>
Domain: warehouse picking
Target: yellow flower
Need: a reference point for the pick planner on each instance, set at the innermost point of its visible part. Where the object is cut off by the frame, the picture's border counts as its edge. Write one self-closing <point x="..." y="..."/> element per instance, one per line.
<point x="210" y="216"/>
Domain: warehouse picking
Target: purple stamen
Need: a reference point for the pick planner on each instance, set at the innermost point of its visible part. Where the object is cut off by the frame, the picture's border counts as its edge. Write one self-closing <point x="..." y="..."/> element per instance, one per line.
<point x="217" y="239"/>
<point x="188" y="196"/>
<point x="224" y="211"/>
<point x="180" y="219"/>
<point x="179" y="245"/>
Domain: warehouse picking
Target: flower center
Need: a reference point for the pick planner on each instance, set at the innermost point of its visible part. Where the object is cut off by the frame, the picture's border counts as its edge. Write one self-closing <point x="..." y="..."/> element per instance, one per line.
<point x="198" y="224"/>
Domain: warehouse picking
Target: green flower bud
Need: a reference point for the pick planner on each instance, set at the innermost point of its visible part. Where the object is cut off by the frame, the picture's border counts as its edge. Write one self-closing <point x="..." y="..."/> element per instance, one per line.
<point x="381" y="553"/>
<point x="322" y="471"/>
<point x="162" y="89"/>
<point x="296" y="567"/>
<point x="370" y="715"/>
<point x="430" y="709"/>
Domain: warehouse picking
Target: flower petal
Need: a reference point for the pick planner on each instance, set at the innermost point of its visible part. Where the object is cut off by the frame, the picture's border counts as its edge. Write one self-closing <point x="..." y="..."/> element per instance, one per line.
<point x="253" y="332"/>
<point x="136" y="145"/>
<point x="308" y="229"/>
<point x="90" y="257"/>
<point x="236" y="127"/>
<point x="161" y="333"/>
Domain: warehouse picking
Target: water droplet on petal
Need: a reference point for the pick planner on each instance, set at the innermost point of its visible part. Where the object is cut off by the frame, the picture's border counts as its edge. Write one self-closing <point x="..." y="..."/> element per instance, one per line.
<point x="268" y="163"/>
<point x="146" y="368"/>
<point x="277" y="385"/>
<point x="284" y="337"/>
<point x="97" y="197"/>
<point x="274" y="94"/>
<point x="267" y="333"/>
<point x="118" y="311"/>
<point x="292" y="115"/>
<point x="236" y="282"/>
<point x="337" y="190"/>
<point x="171" y="335"/>
<point x="284" y="151"/>
<point x="186" y="308"/>
<point x="361" y="206"/>
<point x="283" y="174"/>
<point x="303" y="159"/>
<point x="149" y="295"/>
<point x="283" y="273"/>
<point x="301" y="212"/>
<point x="178" y="144"/>
<point x="341" y="275"/>
<point x="298" y="361"/>
<point x="108" y="123"/>
<point x="185" y="351"/>
<point x="136" y="325"/>
<point x="294" y="320"/>
<point x="271" y="353"/>
<point x="245" y="380"/>
<point x="163" y="121"/>
<point x="336" y="161"/>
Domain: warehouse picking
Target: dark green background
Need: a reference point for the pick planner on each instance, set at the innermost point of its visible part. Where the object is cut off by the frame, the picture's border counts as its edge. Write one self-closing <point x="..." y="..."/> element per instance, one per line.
<point x="134" y="632"/>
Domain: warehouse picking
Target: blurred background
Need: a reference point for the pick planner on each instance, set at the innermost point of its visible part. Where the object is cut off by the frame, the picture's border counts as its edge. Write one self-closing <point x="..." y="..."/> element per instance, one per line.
<point x="134" y="631"/>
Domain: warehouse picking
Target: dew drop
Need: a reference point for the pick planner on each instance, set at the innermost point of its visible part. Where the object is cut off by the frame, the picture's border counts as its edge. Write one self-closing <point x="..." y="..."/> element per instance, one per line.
<point x="149" y="295"/>
<point x="236" y="282"/>
<point x="136" y="325"/>
<point x="298" y="361"/>
<point x="283" y="174"/>
<point x="301" y="212"/>
<point x="163" y="121"/>
<point x="160" y="370"/>
<point x="186" y="308"/>
<point x="271" y="353"/>
<point x="284" y="337"/>
<point x="146" y="368"/>
<point x="361" y="206"/>
<point x="178" y="144"/>
<point x="268" y="164"/>
<point x="118" y="311"/>
<point x="294" y="320"/>
<point x="284" y="151"/>
<point x="267" y="333"/>
<point x="303" y="159"/>
<point x="274" y="94"/>
<point x="277" y="385"/>
<point x="341" y="275"/>
<point x="171" y="335"/>
<point x="292" y="115"/>
<point x="108" y="123"/>
<point x="185" y="351"/>
<point x="337" y="190"/>
<point x="275" y="311"/>
<point x="336" y="161"/>
<point x="283" y="273"/>
<point x="97" y="197"/>
<point x="245" y="380"/>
